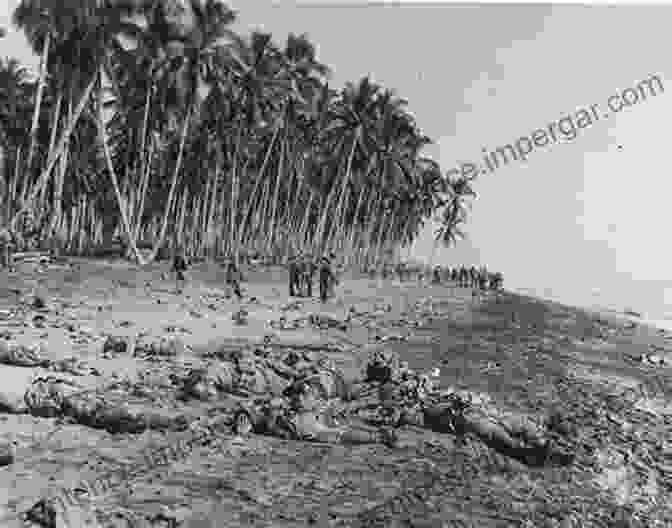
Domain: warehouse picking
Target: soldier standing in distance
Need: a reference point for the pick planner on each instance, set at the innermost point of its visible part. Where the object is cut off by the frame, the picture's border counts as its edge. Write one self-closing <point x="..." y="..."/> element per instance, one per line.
<point x="308" y="272"/>
<point x="233" y="278"/>
<point x="326" y="277"/>
<point x="179" y="268"/>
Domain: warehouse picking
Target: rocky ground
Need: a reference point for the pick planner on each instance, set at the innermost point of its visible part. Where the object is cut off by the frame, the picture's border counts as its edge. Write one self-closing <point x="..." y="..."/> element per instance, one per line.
<point x="601" y="385"/>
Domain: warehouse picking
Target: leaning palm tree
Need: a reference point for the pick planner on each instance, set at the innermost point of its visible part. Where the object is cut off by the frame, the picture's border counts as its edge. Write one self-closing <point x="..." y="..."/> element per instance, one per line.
<point x="454" y="213"/>
<point x="85" y="28"/>
<point x="352" y="122"/>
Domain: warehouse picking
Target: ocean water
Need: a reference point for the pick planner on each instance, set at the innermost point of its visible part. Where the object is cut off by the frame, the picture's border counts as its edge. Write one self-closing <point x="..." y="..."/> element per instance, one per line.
<point x="651" y="310"/>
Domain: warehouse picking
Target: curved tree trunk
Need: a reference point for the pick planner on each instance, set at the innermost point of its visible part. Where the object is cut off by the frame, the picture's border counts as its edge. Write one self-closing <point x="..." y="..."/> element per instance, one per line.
<point x="143" y="170"/>
<point x="54" y="130"/>
<point x="257" y="185"/>
<point x="271" y="230"/>
<point x="173" y="186"/>
<point x="233" y="237"/>
<point x="38" y="100"/>
<point x="144" y="185"/>
<point x="346" y="178"/>
<point x="44" y="177"/>
<point x="115" y="183"/>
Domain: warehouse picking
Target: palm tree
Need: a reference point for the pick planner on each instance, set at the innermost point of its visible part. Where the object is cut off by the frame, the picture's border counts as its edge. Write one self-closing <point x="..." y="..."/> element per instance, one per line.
<point x="83" y="31"/>
<point x="237" y="121"/>
<point x="352" y="122"/>
<point x="15" y="93"/>
<point x="185" y="66"/>
<point x="454" y="213"/>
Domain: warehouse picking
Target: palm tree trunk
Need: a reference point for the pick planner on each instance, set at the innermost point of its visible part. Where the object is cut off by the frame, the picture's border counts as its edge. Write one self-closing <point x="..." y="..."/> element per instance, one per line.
<point x="259" y="216"/>
<point x="38" y="100"/>
<point x="271" y="231"/>
<point x="115" y="184"/>
<point x="60" y="181"/>
<point x="13" y="186"/>
<point x="142" y="169"/>
<point x="257" y="183"/>
<point x="355" y="227"/>
<point x="54" y="130"/>
<point x="173" y="186"/>
<point x="179" y="235"/>
<point x="346" y="179"/>
<point x="44" y="177"/>
<point x="233" y="236"/>
<point x="144" y="185"/>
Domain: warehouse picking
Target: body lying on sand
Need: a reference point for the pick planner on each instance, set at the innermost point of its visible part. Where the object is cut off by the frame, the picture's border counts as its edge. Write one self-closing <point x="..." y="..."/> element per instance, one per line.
<point x="297" y="397"/>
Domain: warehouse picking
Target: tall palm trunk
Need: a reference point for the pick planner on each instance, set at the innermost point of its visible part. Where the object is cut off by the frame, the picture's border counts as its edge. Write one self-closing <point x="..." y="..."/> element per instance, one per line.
<point x="144" y="185"/>
<point x="180" y="234"/>
<point x="41" y="83"/>
<point x="143" y="170"/>
<point x="60" y="180"/>
<point x="346" y="178"/>
<point x="257" y="184"/>
<point x="233" y="237"/>
<point x="115" y="183"/>
<point x="44" y="176"/>
<point x="259" y="216"/>
<point x="54" y="129"/>
<point x="274" y="206"/>
<point x="355" y="228"/>
<point x="13" y="184"/>
<point x="173" y="186"/>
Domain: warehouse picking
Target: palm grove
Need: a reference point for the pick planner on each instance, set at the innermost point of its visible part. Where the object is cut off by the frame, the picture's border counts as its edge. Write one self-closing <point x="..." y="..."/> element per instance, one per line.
<point x="155" y="122"/>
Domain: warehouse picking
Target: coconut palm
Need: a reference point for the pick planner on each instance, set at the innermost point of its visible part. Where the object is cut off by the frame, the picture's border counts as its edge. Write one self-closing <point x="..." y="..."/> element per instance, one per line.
<point x="352" y="122"/>
<point x="454" y="213"/>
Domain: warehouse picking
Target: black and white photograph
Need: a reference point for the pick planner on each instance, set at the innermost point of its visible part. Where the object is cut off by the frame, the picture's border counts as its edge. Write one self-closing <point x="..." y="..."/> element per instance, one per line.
<point x="335" y="264"/>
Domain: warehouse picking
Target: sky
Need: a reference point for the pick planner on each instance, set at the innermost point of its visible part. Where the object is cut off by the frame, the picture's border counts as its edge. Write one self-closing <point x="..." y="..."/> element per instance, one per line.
<point x="580" y="221"/>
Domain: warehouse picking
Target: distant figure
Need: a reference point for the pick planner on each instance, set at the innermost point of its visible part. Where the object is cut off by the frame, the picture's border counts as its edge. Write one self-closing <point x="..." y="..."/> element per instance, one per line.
<point x="384" y="272"/>
<point x="234" y="278"/>
<point x="400" y="271"/>
<point x="473" y="277"/>
<point x="436" y="278"/>
<point x="293" y="269"/>
<point x="307" y="274"/>
<point x="496" y="281"/>
<point x="327" y="279"/>
<point x="179" y="268"/>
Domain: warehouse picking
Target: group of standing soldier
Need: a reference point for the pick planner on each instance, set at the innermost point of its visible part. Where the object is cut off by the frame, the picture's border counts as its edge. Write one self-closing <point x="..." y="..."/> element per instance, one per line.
<point x="469" y="277"/>
<point x="301" y="272"/>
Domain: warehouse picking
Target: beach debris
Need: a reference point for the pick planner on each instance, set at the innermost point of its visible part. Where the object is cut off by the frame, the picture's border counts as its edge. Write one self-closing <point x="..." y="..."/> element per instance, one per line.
<point x="381" y="364"/>
<point x="291" y="306"/>
<point x="208" y="383"/>
<point x="165" y="346"/>
<point x="115" y="345"/>
<point x="43" y="513"/>
<point x="324" y="322"/>
<point x="240" y="316"/>
<point x="45" y="395"/>
<point x="21" y="355"/>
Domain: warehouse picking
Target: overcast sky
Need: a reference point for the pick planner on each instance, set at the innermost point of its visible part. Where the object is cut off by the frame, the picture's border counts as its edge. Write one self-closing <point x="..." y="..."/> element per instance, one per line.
<point x="583" y="221"/>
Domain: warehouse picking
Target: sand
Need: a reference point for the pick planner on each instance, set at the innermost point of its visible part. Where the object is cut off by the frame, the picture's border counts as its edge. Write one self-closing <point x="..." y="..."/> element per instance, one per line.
<point x="528" y="355"/>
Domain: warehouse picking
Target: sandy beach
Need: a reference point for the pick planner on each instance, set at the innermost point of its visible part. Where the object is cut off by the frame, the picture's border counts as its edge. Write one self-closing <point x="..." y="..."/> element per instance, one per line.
<point x="608" y="378"/>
